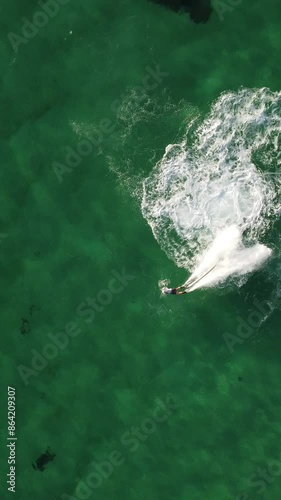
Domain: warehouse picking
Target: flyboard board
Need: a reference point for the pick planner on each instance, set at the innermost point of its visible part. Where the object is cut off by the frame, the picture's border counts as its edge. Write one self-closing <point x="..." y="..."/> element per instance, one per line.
<point x="193" y="282"/>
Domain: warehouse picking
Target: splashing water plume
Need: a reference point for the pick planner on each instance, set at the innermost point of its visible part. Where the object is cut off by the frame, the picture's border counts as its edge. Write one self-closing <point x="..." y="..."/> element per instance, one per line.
<point x="226" y="257"/>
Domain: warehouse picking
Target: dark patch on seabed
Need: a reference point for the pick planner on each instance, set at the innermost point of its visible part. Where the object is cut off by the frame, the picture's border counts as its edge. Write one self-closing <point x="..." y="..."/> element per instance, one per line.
<point x="26" y="325"/>
<point x="43" y="460"/>
<point x="199" y="10"/>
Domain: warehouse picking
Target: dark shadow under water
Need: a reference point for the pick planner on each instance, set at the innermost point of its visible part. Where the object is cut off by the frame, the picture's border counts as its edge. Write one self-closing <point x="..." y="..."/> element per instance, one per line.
<point x="199" y="10"/>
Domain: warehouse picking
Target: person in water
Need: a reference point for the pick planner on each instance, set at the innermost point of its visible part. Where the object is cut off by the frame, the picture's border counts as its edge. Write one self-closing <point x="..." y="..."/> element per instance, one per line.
<point x="175" y="291"/>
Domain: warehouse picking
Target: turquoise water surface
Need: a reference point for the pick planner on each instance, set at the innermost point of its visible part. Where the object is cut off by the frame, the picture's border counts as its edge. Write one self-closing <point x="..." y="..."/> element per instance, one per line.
<point x="121" y="393"/>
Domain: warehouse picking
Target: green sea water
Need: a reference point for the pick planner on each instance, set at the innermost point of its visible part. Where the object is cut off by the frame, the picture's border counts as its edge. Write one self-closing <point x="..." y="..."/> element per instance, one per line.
<point x="142" y="398"/>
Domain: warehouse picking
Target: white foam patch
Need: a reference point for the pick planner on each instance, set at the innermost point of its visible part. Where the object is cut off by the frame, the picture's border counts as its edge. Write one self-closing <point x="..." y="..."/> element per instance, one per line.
<point x="224" y="173"/>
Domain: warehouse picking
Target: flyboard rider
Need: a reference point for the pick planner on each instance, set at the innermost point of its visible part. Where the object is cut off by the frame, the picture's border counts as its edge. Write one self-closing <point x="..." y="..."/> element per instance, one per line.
<point x="180" y="290"/>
